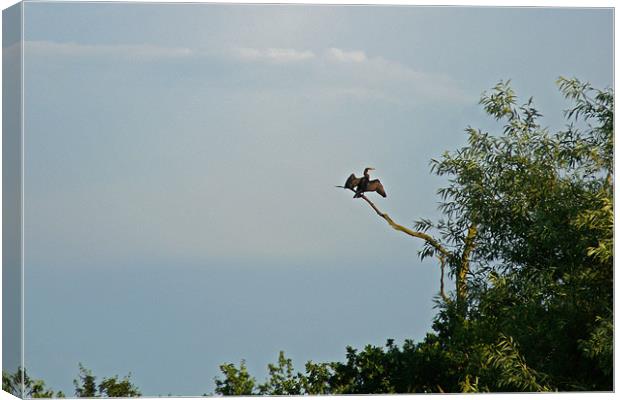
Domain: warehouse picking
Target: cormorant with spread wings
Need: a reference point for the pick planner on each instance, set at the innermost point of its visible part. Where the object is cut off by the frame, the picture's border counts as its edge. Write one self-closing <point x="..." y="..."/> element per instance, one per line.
<point x="364" y="184"/>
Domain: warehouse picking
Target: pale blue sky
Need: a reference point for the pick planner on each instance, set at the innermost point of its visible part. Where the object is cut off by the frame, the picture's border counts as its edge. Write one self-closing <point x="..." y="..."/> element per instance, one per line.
<point x="180" y="163"/>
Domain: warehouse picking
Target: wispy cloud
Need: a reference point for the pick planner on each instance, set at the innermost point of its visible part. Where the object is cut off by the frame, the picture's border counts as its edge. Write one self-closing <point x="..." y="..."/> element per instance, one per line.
<point x="140" y="51"/>
<point x="273" y="55"/>
<point x="340" y="55"/>
<point x="333" y="54"/>
<point x="352" y="73"/>
<point x="335" y="72"/>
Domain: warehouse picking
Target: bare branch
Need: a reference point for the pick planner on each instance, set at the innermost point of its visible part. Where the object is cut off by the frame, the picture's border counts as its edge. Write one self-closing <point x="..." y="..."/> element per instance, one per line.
<point x="421" y="235"/>
<point x="443" y="253"/>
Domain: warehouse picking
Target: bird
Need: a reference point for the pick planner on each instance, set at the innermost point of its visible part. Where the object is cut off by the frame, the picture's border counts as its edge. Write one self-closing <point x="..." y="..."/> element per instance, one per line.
<point x="364" y="184"/>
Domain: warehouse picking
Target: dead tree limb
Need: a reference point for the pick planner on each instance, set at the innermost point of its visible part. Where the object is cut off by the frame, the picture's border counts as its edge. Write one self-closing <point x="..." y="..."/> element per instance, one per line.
<point x="421" y="235"/>
<point x="442" y="253"/>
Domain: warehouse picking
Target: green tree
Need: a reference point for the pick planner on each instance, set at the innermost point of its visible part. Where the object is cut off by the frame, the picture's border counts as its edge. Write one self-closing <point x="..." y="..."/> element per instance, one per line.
<point x="543" y="270"/>
<point x="236" y="381"/>
<point x="527" y="234"/>
<point x="316" y="379"/>
<point x="86" y="385"/>
<point x="19" y="384"/>
<point x="116" y="387"/>
<point x="282" y="379"/>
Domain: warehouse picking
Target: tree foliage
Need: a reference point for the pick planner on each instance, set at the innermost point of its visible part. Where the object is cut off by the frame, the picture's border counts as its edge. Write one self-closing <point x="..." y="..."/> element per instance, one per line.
<point x="21" y="385"/>
<point x="527" y="233"/>
<point x="86" y="385"/>
<point x="237" y="381"/>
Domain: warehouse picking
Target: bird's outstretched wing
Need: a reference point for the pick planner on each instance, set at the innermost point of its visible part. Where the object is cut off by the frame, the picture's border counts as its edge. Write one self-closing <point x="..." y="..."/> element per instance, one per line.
<point x="376" y="186"/>
<point x="351" y="182"/>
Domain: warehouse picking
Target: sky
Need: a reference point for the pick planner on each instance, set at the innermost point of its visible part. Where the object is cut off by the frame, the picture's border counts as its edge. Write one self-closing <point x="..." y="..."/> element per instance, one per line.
<point x="180" y="163"/>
